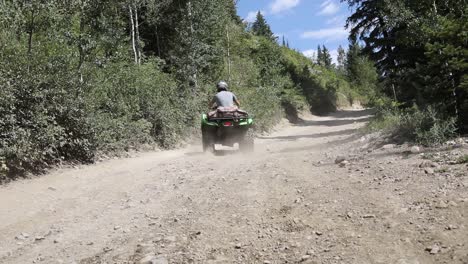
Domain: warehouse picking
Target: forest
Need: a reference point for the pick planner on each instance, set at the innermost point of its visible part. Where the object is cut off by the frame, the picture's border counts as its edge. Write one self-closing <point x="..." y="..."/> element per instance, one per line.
<point x="81" y="79"/>
<point x="420" y="50"/>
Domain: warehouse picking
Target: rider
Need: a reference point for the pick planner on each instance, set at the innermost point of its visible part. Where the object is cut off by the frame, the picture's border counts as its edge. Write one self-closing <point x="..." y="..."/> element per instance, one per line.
<point x="224" y="98"/>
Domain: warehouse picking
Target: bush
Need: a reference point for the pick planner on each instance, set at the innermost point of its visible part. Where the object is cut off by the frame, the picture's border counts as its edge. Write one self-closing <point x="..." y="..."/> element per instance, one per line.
<point x="133" y="105"/>
<point x="43" y="115"/>
<point x="425" y="127"/>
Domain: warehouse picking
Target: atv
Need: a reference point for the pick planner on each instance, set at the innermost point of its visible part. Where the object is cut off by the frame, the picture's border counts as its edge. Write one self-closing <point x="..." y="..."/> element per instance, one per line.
<point x="227" y="126"/>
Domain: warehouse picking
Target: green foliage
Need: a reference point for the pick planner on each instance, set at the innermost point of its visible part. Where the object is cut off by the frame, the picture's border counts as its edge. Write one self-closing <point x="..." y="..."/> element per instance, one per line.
<point x="420" y="49"/>
<point x="43" y="114"/>
<point x="256" y="76"/>
<point x="134" y="105"/>
<point x="325" y="60"/>
<point x="261" y="28"/>
<point x="324" y="89"/>
<point x="425" y="127"/>
<point x="447" y="68"/>
<point x="81" y="78"/>
<point x="323" y="57"/>
<point x="341" y="59"/>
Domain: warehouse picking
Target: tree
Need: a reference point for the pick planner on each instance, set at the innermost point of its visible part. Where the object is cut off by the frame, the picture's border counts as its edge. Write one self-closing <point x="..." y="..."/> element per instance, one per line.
<point x="341" y="59"/>
<point x="447" y="66"/>
<point x="319" y="55"/>
<point x="326" y="58"/>
<point x="261" y="28"/>
<point x="81" y="77"/>
<point x="415" y="49"/>
<point x="352" y="60"/>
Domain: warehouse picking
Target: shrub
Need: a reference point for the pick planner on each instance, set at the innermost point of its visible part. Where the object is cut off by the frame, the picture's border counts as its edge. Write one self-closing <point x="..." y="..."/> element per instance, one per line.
<point x="425" y="127"/>
<point x="43" y="115"/>
<point x="131" y="105"/>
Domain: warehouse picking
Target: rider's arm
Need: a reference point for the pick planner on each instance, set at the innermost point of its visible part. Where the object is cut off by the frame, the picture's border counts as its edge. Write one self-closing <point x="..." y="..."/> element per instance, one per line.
<point x="236" y="101"/>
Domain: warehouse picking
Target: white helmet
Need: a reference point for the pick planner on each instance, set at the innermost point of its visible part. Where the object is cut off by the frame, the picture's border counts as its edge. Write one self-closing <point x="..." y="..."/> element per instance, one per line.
<point x="222" y="86"/>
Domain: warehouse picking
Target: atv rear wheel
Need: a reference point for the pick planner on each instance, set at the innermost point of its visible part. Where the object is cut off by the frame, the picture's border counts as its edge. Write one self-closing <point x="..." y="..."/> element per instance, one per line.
<point x="207" y="142"/>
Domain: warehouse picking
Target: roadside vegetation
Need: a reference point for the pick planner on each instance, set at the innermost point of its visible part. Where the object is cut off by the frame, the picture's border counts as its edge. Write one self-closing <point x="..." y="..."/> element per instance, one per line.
<point x="424" y="127"/>
<point x="79" y="79"/>
<point x="421" y="51"/>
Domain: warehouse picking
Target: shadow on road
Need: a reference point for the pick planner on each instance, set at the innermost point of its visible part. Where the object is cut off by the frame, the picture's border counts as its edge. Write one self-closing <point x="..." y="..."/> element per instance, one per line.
<point x="353" y="113"/>
<point x="334" y="123"/>
<point x="319" y="135"/>
<point x="218" y="153"/>
<point x="343" y="118"/>
<point x="350" y="138"/>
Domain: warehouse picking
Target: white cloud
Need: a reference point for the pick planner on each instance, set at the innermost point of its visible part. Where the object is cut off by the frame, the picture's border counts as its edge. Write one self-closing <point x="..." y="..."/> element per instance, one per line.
<point x="329" y="8"/>
<point x="311" y="54"/>
<point x="337" y="20"/>
<point x="326" y="34"/>
<point x="334" y="55"/>
<point x="252" y="16"/>
<point x="279" y="6"/>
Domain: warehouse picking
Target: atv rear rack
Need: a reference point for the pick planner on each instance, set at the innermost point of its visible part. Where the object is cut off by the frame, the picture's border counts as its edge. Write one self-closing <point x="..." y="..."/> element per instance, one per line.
<point x="227" y="118"/>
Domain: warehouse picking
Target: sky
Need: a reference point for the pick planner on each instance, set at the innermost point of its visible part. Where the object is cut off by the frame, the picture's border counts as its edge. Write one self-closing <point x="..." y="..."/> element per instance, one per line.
<point x="304" y="23"/>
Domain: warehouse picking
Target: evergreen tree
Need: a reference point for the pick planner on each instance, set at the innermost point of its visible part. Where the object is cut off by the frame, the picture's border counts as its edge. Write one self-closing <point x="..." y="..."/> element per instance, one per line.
<point x="341" y="59"/>
<point x="326" y="57"/>
<point x="261" y="28"/>
<point x="320" y="60"/>
<point x="352" y="61"/>
<point x="413" y="45"/>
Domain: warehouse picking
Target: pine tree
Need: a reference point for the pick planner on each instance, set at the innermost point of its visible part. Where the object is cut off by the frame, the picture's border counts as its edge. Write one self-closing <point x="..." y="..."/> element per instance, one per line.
<point x="360" y="71"/>
<point x="341" y="59"/>
<point x="261" y="28"/>
<point x="326" y="57"/>
<point x="319" y="56"/>
<point x="352" y="61"/>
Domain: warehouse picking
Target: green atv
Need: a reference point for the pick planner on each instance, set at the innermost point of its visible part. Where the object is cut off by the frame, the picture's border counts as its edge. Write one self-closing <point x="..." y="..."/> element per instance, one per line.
<point x="227" y="128"/>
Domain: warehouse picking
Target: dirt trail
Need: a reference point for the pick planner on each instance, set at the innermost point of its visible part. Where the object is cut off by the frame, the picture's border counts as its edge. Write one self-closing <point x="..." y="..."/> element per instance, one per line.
<point x="287" y="203"/>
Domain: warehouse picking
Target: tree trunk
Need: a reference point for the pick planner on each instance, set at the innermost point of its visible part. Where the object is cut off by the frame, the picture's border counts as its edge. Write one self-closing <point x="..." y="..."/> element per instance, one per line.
<point x="137" y="33"/>
<point x="193" y="66"/>
<point x="228" y="53"/>
<point x="31" y="30"/>
<point x="80" y="47"/>
<point x="454" y="94"/>
<point x="157" y="42"/>
<point x="132" y="33"/>
<point x="394" y="92"/>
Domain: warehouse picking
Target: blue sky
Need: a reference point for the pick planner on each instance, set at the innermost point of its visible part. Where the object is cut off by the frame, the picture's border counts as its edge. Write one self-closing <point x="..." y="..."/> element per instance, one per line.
<point x="304" y="23"/>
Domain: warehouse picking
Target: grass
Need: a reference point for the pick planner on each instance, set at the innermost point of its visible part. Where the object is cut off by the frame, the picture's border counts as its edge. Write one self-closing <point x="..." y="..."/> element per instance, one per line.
<point x="425" y="127"/>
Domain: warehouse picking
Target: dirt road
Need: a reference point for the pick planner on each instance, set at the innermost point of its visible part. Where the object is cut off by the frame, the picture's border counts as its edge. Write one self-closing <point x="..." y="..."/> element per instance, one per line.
<point x="286" y="203"/>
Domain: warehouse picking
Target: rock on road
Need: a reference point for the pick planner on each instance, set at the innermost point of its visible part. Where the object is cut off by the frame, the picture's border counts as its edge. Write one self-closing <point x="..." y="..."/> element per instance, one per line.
<point x="286" y="203"/>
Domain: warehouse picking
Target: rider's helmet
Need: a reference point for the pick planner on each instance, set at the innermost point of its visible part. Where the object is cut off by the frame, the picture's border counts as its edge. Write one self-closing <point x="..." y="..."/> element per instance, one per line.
<point x="222" y="86"/>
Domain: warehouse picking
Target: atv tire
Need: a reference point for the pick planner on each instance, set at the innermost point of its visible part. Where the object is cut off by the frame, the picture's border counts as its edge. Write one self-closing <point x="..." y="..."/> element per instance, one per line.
<point x="207" y="142"/>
